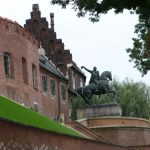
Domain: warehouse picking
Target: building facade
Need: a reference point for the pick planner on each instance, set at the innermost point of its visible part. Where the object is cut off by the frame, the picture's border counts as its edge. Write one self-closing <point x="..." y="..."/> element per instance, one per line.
<point x="54" y="91"/>
<point x="54" y="49"/>
<point x="28" y="77"/>
<point x="43" y="80"/>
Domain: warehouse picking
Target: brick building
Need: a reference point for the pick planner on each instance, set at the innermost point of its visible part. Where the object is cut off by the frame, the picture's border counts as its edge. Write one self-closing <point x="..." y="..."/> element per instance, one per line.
<point x="19" y="61"/>
<point x="29" y="72"/>
<point x="54" y="49"/>
<point x="32" y="79"/>
<point x="54" y="91"/>
<point x="28" y="77"/>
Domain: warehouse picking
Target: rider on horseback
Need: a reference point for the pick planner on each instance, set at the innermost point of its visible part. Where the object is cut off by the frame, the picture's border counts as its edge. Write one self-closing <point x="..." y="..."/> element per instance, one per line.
<point x="94" y="76"/>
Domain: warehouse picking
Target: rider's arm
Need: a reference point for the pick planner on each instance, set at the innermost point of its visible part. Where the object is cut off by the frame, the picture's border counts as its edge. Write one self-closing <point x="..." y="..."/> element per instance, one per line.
<point x="86" y="69"/>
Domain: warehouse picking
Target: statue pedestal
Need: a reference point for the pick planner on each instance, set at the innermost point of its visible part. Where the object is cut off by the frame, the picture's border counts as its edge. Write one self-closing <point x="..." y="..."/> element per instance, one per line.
<point x="103" y="110"/>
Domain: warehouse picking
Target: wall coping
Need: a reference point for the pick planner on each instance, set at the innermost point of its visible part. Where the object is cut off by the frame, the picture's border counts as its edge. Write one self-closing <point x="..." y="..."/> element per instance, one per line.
<point x="121" y="126"/>
<point x="14" y="26"/>
<point x="115" y="122"/>
<point x="102" y="118"/>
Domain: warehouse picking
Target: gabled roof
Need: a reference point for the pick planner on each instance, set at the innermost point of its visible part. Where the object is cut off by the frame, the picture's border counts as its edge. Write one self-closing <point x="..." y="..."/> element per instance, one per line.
<point x="73" y="65"/>
<point x="49" y="66"/>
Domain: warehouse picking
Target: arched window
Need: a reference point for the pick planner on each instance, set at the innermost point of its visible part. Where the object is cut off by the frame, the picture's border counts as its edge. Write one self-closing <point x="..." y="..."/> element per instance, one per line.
<point x="35" y="25"/>
<point x="34" y="76"/>
<point x="35" y="28"/>
<point x="51" y="45"/>
<point x="59" y="56"/>
<point x="51" y="49"/>
<point x="43" y="33"/>
<point x="24" y="70"/>
<point x="8" y="64"/>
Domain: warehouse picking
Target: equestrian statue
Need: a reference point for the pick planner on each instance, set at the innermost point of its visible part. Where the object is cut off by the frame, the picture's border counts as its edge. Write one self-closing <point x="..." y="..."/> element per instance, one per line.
<point x="98" y="84"/>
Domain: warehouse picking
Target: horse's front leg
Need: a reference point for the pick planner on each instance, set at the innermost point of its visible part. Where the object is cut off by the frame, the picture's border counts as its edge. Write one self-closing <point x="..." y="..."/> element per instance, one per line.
<point x="114" y="93"/>
<point x="84" y="96"/>
<point x="108" y="93"/>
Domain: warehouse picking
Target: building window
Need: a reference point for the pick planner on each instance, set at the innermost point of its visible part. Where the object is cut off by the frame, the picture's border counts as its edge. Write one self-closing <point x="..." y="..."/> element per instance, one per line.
<point x="51" y="49"/>
<point x="59" y="56"/>
<point x="44" y="84"/>
<point x="52" y="87"/>
<point x="73" y="80"/>
<point x="24" y="70"/>
<point x="8" y="65"/>
<point x="51" y="45"/>
<point x="81" y="83"/>
<point x="43" y="33"/>
<point x="34" y="76"/>
<point x="35" y="26"/>
<point x="63" y="92"/>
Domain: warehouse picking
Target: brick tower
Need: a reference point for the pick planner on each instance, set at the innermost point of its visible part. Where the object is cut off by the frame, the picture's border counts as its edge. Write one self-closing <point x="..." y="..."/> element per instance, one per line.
<point x="54" y="47"/>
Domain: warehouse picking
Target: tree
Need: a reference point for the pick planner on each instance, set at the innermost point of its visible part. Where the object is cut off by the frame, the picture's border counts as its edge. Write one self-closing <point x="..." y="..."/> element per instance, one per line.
<point x="141" y="44"/>
<point x="94" y="8"/>
<point x="76" y="103"/>
<point x="97" y="7"/>
<point x="133" y="97"/>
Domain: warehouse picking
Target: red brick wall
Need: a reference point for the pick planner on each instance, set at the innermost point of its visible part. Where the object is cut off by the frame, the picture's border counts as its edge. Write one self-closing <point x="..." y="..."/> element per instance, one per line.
<point x="128" y="136"/>
<point x="17" y="41"/>
<point x="54" y="47"/>
<point x="119" y="121"/>
<point x="14" y="136"/>
<point x="54" y="106"/>
<point x="121" y="130"/>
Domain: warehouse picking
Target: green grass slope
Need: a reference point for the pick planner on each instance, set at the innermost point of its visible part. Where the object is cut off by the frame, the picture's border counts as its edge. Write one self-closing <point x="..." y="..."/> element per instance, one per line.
<point x="12" y="111"/>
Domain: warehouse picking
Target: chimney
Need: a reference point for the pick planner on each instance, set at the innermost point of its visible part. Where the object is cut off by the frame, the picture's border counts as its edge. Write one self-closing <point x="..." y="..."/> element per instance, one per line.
<point x="35" y="7"/>
<point x="52" y="21"/>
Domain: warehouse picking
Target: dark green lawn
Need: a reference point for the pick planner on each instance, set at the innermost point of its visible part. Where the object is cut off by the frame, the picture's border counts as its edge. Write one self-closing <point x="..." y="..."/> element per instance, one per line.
<point x="12" y="111"/>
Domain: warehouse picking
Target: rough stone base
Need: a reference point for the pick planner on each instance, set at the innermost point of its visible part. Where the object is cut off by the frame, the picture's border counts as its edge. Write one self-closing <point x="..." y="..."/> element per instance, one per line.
<point x="103" y="110"/>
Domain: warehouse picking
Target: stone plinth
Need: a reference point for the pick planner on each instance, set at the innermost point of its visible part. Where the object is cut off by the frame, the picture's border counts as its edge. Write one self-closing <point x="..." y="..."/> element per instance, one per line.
<point x="103" y="110"/>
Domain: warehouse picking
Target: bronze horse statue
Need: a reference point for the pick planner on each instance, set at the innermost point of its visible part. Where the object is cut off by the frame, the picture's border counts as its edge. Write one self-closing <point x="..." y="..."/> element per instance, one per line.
<point x="103" y="87"/>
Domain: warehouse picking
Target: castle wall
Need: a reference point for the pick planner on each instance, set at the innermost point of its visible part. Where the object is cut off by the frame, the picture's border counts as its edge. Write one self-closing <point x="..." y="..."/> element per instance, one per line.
<point x="15" y="136"/>
<point x="19" y="44"/>
<point x="20" y="74"/>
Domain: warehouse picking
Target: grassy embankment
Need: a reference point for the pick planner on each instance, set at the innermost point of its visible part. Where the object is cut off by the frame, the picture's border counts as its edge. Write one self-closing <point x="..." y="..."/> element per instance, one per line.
<point x="12" y="111"/>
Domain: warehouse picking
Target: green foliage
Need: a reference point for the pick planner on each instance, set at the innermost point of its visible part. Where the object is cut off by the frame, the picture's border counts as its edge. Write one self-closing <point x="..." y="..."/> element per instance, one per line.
<point x="11" y="111"/>
<point x="141" y="44"/>
<point x="134" y="99"/>
<point x="76" y="103"/>
<point x="94" y="8"/>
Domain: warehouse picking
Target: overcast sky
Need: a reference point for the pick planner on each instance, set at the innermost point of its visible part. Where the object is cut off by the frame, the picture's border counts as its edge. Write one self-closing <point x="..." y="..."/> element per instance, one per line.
<point x="101" y="44"/>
